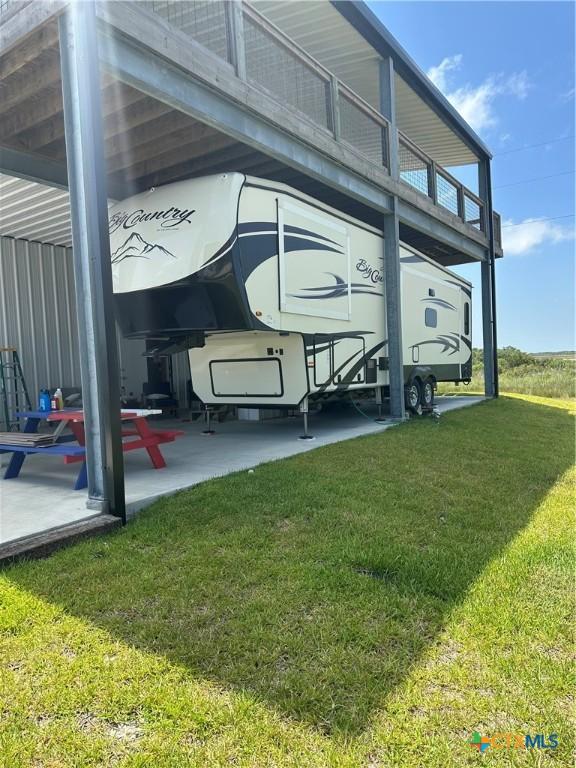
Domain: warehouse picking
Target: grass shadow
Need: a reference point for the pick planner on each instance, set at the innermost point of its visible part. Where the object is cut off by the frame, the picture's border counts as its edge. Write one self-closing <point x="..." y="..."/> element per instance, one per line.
<point x="316" y="582"/>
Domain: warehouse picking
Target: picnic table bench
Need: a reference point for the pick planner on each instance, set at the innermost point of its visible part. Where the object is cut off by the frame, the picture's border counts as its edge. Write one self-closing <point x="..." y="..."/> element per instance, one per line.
<point x="73" y="419"/>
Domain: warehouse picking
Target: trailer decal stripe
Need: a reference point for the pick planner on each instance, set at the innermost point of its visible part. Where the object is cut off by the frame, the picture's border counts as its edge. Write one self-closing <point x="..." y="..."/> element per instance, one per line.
<point x="355" y="368"/>
<point x="253" y="227"/>
<point x="335" y="291"/>
<point x="449" y="342"/>
<point x="222" y="250"/>
<point x="467" y="342"/>
<point x="440" y="303"/>
<point x="256" y="249"/>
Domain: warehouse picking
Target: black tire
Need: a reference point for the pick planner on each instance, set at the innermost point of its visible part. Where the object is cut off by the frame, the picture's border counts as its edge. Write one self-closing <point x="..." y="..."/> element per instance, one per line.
<point x="414" y="396"/>
<point x="428" y="394"/>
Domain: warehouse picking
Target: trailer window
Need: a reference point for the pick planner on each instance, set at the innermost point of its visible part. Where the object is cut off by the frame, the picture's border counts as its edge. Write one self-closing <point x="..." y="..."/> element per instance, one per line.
<point x="430" y="317"/>
<point x="466" y="319"/>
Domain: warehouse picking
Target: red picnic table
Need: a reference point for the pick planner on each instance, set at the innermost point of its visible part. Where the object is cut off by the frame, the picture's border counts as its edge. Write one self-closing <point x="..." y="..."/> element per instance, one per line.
<point x="148" y="438"/>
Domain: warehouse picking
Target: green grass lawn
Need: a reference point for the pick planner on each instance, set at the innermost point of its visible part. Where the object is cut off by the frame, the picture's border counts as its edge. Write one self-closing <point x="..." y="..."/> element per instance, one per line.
<point x="369" y="604"/>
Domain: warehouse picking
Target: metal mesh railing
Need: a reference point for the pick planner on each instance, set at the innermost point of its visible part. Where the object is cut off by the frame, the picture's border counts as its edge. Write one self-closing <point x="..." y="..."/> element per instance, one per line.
<point x="285" y="75"/>
<point x="497" y="228"/>
<point x="205" y="21"/>
<point x="472" y="211"/>
<point x="362" y="131"/>
<point x="446" y="193"/>
<point x="9" y="8"/>
<point x="413" y="168"/>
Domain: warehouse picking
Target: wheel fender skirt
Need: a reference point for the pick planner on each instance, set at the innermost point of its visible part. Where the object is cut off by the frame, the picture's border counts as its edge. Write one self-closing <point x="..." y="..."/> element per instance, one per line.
<point x="417" y="371"/>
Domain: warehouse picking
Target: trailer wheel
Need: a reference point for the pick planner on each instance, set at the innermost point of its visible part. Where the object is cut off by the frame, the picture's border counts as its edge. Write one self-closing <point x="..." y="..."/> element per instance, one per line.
<point x="414" y="396"/>
<point x="428" y="394"/>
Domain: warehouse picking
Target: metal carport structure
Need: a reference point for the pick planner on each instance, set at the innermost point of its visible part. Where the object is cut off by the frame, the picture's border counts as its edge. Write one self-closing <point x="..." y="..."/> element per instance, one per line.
<point x="170" y="107"/>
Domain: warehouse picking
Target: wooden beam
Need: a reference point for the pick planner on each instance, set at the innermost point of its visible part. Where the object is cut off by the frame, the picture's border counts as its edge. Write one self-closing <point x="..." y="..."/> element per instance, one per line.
<point x="47" y="136"/>
<point x="31" y="112"/>
<point x="142" y="110"/>
<point x="180" y="154"/>
<point x="182" y="140"/>
<point x="149" y="131"/>
<point x="42" y="73"/>
<point x="14" y="58"/>
<point x="212" y="163"/>
<point x="43" y="544"/>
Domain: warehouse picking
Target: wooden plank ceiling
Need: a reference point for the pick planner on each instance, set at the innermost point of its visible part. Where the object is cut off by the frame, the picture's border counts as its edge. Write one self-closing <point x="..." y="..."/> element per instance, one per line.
<point x="146" y="142"/>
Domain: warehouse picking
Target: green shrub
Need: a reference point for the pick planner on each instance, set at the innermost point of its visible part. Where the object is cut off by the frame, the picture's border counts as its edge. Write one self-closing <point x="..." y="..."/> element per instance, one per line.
<point x="525" y="374"/>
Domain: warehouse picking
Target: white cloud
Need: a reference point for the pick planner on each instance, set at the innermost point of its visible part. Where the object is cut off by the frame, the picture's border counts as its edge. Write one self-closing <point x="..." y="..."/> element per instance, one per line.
<point x="439" y="74"/>
<point x="476" y="103"/>
<point x="522" y="237"/>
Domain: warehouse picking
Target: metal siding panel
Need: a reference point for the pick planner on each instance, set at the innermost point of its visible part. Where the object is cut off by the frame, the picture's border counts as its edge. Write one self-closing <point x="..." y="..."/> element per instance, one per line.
<point x="66" y="289"/>
<point x="181" y="375"/>
<point x="37" y="311"/>
<point x="34" y="333"/>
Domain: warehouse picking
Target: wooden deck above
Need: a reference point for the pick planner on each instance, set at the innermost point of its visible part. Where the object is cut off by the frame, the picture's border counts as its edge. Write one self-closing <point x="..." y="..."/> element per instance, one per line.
<point x="183" y="96"/>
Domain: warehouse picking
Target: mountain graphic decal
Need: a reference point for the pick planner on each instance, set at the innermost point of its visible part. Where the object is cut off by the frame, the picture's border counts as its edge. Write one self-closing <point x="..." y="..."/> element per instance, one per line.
<point x="135" y="247"/>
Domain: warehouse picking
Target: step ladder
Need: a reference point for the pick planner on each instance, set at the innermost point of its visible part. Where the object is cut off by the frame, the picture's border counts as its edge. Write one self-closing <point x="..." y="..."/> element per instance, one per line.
<point x="14" y="395"/>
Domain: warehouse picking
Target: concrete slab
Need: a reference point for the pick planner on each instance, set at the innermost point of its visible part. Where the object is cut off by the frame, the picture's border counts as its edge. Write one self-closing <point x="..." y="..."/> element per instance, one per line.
<point x="42" y="497"/>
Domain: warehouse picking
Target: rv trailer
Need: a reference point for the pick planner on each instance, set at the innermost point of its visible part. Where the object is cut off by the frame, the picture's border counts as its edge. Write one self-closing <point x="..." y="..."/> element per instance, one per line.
<point x="279" y="298"/>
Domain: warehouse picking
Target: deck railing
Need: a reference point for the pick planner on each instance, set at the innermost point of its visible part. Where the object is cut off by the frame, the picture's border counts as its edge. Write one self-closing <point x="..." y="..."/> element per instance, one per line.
<point x="421" y="172"/>
<point x="288" y="73"/>
<point x="9" y="8"/>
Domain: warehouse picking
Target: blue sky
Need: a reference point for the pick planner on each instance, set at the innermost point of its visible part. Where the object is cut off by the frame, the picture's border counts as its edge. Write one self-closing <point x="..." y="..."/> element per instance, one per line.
<point x="509" y="68"/>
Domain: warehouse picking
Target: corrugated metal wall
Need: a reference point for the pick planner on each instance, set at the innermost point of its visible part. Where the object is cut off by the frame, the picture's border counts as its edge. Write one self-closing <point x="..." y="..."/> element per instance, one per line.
<point x="37" y="312"/>
<point x="181" y="375"/>
<point x="38" y="317"/>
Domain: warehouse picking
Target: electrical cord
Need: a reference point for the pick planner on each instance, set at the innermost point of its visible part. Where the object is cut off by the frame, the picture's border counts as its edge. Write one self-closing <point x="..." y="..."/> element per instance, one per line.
<point x="360" y="411"/>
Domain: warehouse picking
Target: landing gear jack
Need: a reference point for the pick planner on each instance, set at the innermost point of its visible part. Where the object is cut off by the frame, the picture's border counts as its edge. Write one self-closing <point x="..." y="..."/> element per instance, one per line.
<point x="304" y="412"/>
<point x="380" y="402"/>
<point x="208" y="430"/>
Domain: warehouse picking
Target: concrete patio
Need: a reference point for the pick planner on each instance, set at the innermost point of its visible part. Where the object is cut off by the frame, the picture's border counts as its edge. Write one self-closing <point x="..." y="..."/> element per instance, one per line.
<point x="42" y="498"/>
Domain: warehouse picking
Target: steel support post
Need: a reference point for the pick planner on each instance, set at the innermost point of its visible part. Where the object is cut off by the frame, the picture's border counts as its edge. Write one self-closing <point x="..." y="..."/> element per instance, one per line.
<point x="488" y="355"/>
<point x="490" y="343"/>
<point x="492" y="279"/>
<point x="394" y="314"/>
<point x="91" y="248"/>
<point x="392" y="250"/>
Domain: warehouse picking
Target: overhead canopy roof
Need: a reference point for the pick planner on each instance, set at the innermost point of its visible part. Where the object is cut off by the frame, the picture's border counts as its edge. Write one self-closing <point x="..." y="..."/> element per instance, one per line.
<point x="330" y="33"/>
<point x="34" y="211"/>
